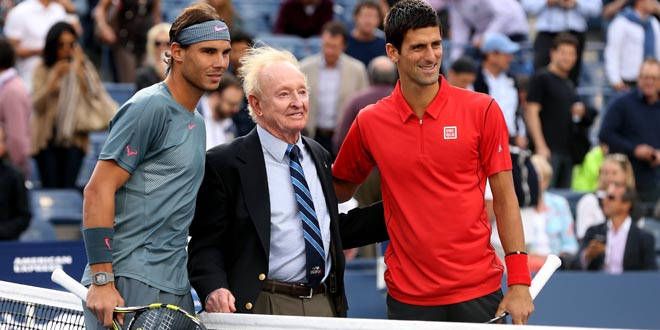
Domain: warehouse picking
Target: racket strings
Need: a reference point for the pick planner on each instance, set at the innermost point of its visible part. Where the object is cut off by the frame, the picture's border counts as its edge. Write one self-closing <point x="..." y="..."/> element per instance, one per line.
<point x="164" y="319"/>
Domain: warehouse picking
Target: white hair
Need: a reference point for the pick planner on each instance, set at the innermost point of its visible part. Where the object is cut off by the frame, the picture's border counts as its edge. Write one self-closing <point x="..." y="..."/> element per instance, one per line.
<point x="254" y="62"/>
<point x="152" y="34"/>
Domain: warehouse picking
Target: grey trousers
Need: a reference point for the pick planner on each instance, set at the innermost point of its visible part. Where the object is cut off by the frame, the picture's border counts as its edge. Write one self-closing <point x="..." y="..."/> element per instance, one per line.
<point x="136" y="293"/>
<point x="281" y="304"/>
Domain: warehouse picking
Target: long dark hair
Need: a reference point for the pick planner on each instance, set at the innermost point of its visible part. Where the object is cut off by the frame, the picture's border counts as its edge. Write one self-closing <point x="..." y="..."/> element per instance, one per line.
<point x="52" y="42"/>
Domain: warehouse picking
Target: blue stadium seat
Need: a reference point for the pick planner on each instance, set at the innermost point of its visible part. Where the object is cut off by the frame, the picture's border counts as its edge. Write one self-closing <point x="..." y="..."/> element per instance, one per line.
<point x="39" y="231"/>
<point x="257" y="16"/>
<point x="34" y="179"/>
<point x="172" y="8"/>
<point x="344" y="12"/>
<point x="294" y="44"/>
<point x="120" y="92"/>
<point x="57" y="206"/>
<point x="653" y="226"/>
<point x="96" y="141"/>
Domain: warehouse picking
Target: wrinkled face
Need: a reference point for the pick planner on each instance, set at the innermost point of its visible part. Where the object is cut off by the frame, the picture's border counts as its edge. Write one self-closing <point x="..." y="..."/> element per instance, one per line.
<point x="202" y="64"/>
<point x="238" y="50"/>
<point x="332" y="46"/>
<point x="420" y="56"/>
<point x="611" y="172"/>
<point x="649" y="79"/>
<point x="66" y="45"/>
<point x="228" y="102"/>
<point x="564" y="57"/>
<point x="461" y="80"/>
<point x="367" y="20"/>
<point x="282" y="106"/>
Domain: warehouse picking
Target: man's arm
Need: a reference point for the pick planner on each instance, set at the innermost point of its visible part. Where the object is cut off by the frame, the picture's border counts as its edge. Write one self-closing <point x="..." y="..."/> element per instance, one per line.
<point x="517" y="301"/>
<point x="206" y="262"/>
<point x="344" y="189"/>
<point x="99" y="212"/>
<point x="535" y="131"/>
<point x="363" y="226"/>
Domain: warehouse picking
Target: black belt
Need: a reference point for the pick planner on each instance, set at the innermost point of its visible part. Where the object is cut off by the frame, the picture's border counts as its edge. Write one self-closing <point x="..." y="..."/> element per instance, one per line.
<point x="297" y="290"/>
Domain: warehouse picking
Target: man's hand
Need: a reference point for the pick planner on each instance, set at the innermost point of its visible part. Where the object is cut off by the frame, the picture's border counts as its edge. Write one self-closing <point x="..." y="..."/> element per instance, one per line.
<point x="578" y="110"/>
<point x="102" y="300"/>
<point x="644" y="152"/>
<point x="593" y="250"/>
<point x="220" y="301"/>
<point x="518" y="303"/>
<point x="544" y="151"/>
<point x="620" y="87"/>
<point x="521" y="141"/>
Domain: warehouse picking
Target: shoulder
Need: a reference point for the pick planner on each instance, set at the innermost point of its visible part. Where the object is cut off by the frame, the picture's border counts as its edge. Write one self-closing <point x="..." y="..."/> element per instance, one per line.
<point x="316" y="148"/>
<point x="643" y="233"/>
<point x="148" y="103"/>
<point x="222" y="155"/>
<point x="15" y="88"/>
<point x="470" y="99"/>
<point x="352" y="62"/>
<point x="309" y="61"/>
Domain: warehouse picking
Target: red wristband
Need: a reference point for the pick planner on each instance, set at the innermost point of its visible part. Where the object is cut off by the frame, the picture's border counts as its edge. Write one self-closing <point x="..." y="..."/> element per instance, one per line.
<point x="517" y="270"/>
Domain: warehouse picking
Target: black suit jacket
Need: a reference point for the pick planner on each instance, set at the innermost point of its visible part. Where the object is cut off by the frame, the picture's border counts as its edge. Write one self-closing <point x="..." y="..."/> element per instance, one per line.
<point x="640" y="248"/>
<point x="231" y="229"/>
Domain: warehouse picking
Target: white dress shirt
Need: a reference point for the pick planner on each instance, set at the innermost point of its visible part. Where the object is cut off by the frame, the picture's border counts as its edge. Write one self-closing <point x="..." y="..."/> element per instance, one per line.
<point x="483" y="17"/>
<point x="559" y="19"/>
<point x="503" y="89"/>
<point x="615" y="247"/>
<point x="286" y="261"/>
<point x="328" y="96"/>
<point x="624" y="51"/>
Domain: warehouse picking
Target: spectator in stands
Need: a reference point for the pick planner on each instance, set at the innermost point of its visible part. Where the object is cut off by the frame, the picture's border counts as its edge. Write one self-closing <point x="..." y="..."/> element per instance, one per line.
<point x="26" y="28"/>
<point x="124" y="28"/>
<point x="219" y="107"/>
<point x="69" y="101"/>
<point x="382" y="77"/>
<point x="585" y="174"/>
<point x="630" y="126"/>
<point x="303" y="18"/>
<point x="154" y="69"/>
<point x="615" y="170"/>
<point x="333" y="77"/>
<point x="552" y="216"/>
<point x="612" y="7"/>
<point x="15" y="110"/>
<point x="249" y="252"/>
<point x="554" y="17"/>
<point x="240" y="43"/>
<point x="363" y="43"/>
<point x="435" y="145"/>
<point x="494" y="79"/>
<point x="463" y="73"/>
<point x="472" y="20"/>
<point x="553" y="109"/>
<point x="633" y="36"/>
<point x="14" y="210"/>
<point x="619" y="244"/>
<point x="152" y="164"/>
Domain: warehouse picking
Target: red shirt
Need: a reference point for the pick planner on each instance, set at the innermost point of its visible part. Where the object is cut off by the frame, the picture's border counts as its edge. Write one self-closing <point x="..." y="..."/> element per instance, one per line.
<point x="433" y="176"/>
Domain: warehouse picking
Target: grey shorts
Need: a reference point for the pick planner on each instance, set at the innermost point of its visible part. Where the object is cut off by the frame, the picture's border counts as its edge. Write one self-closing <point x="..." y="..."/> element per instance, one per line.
<point x="136" y="293"/>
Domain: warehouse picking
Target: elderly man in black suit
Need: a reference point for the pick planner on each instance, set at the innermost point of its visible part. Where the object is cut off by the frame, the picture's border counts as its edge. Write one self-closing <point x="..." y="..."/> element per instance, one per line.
<point x="617" y="245"/>
<point x="267" y="237"/>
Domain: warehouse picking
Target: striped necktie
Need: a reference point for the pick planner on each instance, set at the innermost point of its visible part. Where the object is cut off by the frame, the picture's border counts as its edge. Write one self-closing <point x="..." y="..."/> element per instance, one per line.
<point x="315" y="256"/>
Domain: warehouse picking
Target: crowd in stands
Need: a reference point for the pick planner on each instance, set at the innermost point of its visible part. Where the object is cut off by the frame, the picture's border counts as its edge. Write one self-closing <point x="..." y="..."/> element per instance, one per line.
<point x="534" y="57"/>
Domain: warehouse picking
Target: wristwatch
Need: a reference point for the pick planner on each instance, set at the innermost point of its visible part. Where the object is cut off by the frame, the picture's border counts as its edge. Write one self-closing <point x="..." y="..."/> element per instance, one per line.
<point x="102" y="278"/>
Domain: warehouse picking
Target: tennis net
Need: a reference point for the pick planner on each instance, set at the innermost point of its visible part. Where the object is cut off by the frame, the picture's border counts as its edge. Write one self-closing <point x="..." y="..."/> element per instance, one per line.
<point x="28" y="307"/>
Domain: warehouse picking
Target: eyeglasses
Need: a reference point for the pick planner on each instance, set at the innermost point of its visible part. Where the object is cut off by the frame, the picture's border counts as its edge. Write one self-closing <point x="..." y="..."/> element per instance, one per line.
<point x="158" y="43"/>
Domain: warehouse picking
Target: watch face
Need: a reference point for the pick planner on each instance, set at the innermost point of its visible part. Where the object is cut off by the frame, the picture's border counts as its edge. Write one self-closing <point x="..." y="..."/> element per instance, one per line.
<point x="100" y="278"/>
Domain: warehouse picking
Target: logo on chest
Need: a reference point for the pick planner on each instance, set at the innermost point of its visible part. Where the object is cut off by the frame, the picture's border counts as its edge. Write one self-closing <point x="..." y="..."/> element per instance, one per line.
<point x="450" y="132"/>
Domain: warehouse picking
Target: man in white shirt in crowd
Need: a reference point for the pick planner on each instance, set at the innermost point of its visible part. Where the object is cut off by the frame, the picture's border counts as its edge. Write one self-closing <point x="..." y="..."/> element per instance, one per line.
<point x="633" y="36"/>
<point x="218" y="107"/>
<point x="471" y="20"/>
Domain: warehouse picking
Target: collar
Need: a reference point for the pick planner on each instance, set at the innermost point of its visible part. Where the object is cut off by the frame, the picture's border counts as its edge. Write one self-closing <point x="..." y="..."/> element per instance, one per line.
<point x="276" y="147"/>
<point x="433" y="109"/>
<point x="642" y="98"/>
<point x="625" y="226"/>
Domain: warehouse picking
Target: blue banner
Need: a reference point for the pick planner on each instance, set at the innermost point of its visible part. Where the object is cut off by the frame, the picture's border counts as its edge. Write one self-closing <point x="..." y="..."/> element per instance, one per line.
<point x="31" y="263"/>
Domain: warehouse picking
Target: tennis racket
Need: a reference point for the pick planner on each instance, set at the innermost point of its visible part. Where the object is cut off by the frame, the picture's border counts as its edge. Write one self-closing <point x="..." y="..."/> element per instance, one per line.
<point x="153" y="316"/>
<point x="551" y="264"/>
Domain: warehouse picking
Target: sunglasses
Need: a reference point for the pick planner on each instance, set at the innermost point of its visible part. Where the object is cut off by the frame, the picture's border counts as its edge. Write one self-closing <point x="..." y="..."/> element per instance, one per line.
<point x="161" y="43"/>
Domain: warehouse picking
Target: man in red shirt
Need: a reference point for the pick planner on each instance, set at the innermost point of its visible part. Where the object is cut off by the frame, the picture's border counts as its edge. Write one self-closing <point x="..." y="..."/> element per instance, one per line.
<point x="435" y="145"/>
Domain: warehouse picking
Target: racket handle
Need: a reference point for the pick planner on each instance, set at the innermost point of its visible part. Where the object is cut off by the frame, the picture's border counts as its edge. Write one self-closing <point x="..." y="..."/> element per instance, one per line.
<point x="60" y="277"/>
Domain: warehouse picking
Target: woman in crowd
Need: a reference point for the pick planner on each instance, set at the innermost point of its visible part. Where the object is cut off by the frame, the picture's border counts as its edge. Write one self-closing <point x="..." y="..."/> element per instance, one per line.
<point x="154" y="68"/>
<point x="616" y="169"/>
<point x="69" y="101"/>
